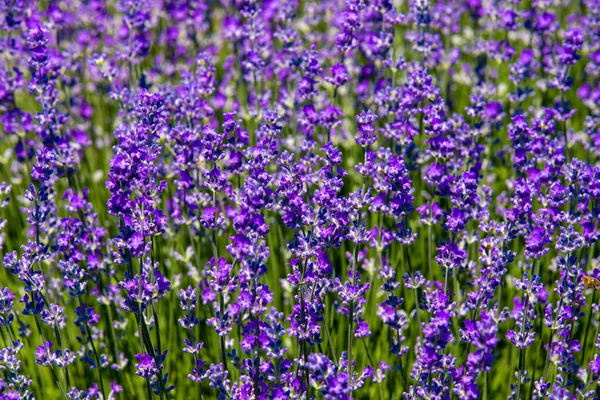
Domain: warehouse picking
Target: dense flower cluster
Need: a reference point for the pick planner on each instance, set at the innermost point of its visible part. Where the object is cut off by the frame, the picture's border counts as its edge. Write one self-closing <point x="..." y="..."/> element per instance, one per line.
<point x="282" y="199"/>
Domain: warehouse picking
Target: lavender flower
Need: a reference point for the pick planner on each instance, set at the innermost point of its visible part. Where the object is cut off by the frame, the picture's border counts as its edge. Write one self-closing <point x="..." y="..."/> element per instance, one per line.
<point x="260" y="164"/>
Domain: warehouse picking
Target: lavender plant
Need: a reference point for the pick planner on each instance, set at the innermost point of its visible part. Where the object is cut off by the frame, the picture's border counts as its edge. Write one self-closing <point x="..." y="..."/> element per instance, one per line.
<point x="269" y="199"/>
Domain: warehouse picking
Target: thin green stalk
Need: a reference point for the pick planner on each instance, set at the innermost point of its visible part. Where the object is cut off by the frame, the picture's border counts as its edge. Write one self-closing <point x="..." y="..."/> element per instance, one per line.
<point x="522" y="351"/>
<point x="11" y="333"/>
<point x="221" y="296"/>
<point x="349" y="352"/>
<point x="108" y="321"/>
<point x="148" y="390"/>
<point x="57" y="381"/>
<point x="364" y="341"/>
<point x="41" y="334"/>
<point x="150" y="350"/>
<point x="520" y="373"/>
<point x="97" y="357"/>
<point x="429" y="253"/>
<point x="61" y="346"/>
<point x="587" y="328"/>
<point x="257" y="351"/>
<point x="351" y="312"/>
<point x="415" y="291"/>
<point x="157" y="333"/>
<point x="330" y="342"/>
<point x="4" y="341"/>
<point x="547" y="362"/>
<point x="446" y="280"/>
<point x="485" y="385"/>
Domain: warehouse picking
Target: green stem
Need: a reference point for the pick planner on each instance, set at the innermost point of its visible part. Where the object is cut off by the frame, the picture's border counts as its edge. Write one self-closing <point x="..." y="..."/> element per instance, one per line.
<point x="415" y="291"/>
<point x="446" y="280"/>
<point x="97" y="361"/>
<point x="61" y="346"/>
<point x="351" y="313"/>
<point x="155" y="315"/>
<point x="587" y="328"/>
<point x="374" y="366"/>
<point x="330" y="342"/>
<point x="429" y="253"/>
<point x="522" y="350"/>
<point x="58" y="382"/>
<point x="485" y="385"/>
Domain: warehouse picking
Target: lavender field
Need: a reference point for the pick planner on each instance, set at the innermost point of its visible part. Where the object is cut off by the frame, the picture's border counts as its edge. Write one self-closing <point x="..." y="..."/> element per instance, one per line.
<point x="286" y="199"/>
